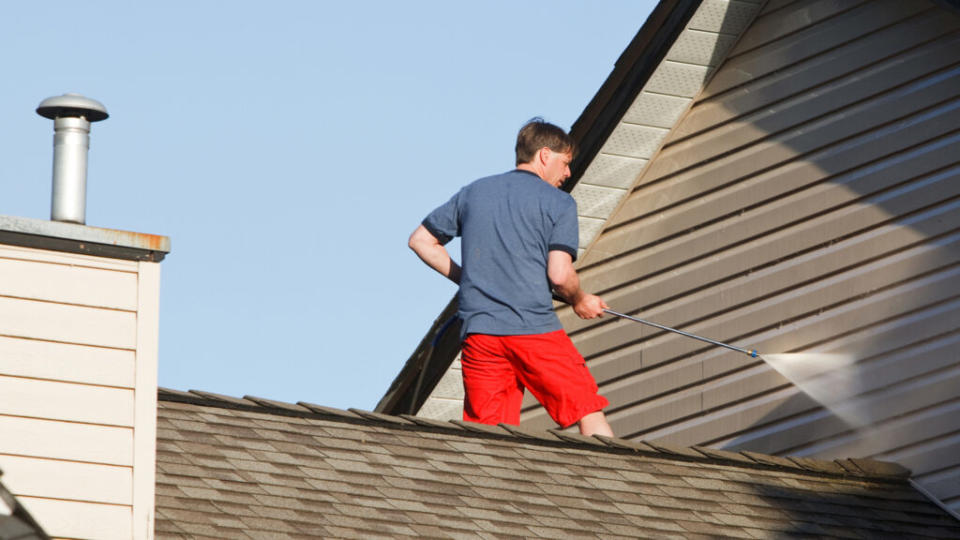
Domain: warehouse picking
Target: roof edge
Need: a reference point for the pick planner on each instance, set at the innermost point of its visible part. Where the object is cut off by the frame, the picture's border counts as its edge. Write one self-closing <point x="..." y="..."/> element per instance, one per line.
<point x="75" y="238"/>
<point x="15" y="520"/>
<point x="879" y="471"/>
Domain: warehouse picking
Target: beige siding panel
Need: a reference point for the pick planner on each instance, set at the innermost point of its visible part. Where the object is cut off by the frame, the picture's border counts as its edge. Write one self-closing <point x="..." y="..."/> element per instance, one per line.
<point x="71" y="519"/>
<point x="68" y="259"/>
<point x="775" y="428"/>
<point x="64" y="440"/>
<point x="66" y="323"/>
<point x="906" y="103"/>
<point x="808" y="201"/>
<point x="746" y="379"/>
<point x="936" y="450"/>
<point x="66" y="362"/>
<point x="788" y="414"/>
<point x="772" y="5"/>
<point x="726" y="272"/>
<point x="883" y="304"/>
<point x="796" y="16"/>
<point x="882" y="46"/>
<point x="871" y="373"/>
<point x="802" y="181"/>
<point x="789" y="402"/>
<point x="853" y="225"/>
<point x="68" y="284"/>
<point x="66" y="401"/>
<point x="67" y="480"/>
<point x="716" y="362"/>
<point x="859" y="279"/>
<point x="943" y="485"/>
<point x="641" y="224"/>
<point x="908" y="427"/>
<point x="803" y="108"/>
<point x="798" y="37"/>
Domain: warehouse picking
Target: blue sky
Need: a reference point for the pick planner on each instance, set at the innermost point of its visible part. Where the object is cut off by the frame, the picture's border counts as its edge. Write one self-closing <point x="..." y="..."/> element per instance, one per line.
<point x="288" y="149"/>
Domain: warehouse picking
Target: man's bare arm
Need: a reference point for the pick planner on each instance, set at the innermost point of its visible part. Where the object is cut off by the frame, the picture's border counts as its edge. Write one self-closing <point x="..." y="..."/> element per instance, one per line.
<point x="566" y="283"/>
<point x="432" y="252"/>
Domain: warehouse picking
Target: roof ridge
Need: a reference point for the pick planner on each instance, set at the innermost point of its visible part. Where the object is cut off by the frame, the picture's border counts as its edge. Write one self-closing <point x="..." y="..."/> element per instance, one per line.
<point x="864" y="468"/>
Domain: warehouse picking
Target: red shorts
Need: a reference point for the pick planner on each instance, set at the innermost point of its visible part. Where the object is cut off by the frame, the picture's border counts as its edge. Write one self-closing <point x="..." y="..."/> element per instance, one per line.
<point x="496" y="369"/>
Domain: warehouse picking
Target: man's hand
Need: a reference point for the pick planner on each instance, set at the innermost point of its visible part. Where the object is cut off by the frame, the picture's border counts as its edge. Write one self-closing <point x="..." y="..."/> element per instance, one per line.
<point x="589" y="306"/>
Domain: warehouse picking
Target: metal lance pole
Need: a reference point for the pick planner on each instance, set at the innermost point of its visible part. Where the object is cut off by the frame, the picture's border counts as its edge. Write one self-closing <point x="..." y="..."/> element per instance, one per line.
<point x="752" y="353"/>
<point x="71" y="115"/>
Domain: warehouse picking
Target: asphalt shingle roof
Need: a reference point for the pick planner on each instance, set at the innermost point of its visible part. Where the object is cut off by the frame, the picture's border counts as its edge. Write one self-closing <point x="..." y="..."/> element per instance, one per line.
<point x="253" y="468"/>
<point x="15" y="522"/>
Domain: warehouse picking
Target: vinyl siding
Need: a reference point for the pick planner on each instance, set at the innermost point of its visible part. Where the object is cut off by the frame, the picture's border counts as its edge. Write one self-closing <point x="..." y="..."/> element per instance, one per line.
<point x="704" y="42"/>
<point x="72" y="332"/>
<point x="808" y="200"/>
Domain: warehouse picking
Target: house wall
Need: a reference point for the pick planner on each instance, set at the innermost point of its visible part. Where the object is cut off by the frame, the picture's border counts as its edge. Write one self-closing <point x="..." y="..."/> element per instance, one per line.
<point x="808" y="200"/>
<point x="78" y="345"/>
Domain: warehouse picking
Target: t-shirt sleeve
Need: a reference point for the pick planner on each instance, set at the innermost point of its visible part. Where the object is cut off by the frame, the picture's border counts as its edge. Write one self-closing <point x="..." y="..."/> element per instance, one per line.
<point x="444" y="222"/>
<point x="566" y="232"/>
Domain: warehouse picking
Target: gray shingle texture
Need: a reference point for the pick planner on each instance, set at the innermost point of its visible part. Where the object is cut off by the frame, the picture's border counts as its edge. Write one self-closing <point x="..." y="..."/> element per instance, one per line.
<point x="229" y="468"/>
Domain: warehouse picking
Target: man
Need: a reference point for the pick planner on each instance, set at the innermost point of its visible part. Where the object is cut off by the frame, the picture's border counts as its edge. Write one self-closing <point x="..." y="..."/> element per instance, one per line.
<point x="519" y="239"/>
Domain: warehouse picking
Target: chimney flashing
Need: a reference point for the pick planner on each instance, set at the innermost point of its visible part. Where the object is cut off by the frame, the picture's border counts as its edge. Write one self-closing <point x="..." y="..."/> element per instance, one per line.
<point x="74" y="238"/>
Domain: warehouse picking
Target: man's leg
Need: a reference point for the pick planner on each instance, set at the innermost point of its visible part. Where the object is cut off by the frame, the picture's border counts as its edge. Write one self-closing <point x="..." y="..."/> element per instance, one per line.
<point x="492" y="393"/>
<point x="595" y="423"/>
<point x="556" y="374"/>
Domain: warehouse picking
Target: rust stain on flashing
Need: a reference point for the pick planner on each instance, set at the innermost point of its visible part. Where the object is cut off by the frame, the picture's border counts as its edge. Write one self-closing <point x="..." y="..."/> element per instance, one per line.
<point x="153" y="242"/>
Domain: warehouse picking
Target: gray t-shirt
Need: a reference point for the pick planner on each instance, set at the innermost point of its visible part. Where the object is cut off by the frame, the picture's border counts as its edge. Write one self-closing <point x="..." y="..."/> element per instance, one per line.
<point x="508" y="224"/>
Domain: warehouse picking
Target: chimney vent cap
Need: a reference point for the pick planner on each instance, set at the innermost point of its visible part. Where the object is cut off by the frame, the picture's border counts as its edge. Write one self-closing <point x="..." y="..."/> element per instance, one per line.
<point x="69" y="105"/>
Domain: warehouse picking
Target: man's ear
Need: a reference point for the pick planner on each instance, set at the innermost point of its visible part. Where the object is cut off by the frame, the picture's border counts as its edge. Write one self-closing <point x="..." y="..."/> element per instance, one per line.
<point x="544" y="155"/>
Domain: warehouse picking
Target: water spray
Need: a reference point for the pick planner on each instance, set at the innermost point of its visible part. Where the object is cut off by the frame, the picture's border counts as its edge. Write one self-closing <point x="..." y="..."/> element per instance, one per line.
<point x="751" y="353"/>
<point x="830" y="379"/>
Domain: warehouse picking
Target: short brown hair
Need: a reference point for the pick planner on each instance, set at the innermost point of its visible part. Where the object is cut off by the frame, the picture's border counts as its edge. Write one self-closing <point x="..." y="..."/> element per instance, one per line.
<point x="538" y="133"/>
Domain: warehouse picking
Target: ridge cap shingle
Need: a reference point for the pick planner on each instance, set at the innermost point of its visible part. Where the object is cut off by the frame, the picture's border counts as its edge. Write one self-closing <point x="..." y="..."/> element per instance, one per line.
<point x="221" y="397"/>
<point x="840" y="468"/>
<point x="431" y="423"/>
<point x="371" y="415"/>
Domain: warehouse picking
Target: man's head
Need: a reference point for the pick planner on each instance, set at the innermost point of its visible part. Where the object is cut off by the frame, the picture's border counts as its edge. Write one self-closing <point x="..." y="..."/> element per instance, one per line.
<point x="537" y="134"/>
<point x="546" y="150"/>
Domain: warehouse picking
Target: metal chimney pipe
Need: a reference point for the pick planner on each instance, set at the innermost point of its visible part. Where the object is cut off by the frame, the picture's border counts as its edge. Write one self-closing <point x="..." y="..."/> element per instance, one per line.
<point x="71" y="115"/>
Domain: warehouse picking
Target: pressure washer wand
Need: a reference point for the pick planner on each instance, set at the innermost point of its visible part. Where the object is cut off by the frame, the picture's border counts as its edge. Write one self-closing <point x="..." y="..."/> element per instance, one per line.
<point x="751" y="353"/>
